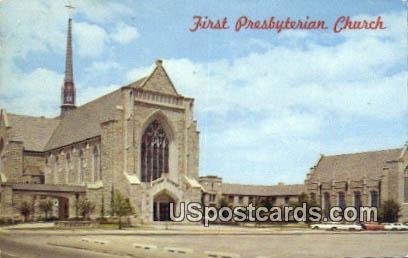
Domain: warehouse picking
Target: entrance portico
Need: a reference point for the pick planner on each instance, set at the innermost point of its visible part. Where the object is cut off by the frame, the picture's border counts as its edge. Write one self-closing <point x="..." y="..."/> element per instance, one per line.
<point x="64" y="199"/>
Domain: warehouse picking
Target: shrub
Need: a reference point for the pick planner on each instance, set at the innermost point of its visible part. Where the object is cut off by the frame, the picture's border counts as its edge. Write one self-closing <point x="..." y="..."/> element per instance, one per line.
<point x="25" y="210"/>
<point x="46" y="207"/>
<point x="389" y="211"/>
<point x="85" y="207"/>
<point x="121" y="207"/>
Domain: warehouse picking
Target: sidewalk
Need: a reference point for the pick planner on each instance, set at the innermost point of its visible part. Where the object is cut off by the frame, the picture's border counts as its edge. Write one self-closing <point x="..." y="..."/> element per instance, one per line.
<point x="168" y="230"/>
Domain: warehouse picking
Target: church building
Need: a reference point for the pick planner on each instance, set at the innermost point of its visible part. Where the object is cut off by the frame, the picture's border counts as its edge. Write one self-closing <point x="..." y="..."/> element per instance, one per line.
<point x="142" y="140"/>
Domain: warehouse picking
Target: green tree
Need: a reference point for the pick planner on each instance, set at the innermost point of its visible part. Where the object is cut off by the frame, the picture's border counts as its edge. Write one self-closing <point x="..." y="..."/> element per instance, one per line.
<point x="25" y="210"/>
<point x="304" y="198"/>
<point x="121" y="207"/>
<point x="265" y="202"/>
<point x="223" y="203"/>
<point x="112" y="201"/>
<point x="46" y="207"/>
<point x="389" y="211"/>
<point x="85" y="207"/>
<point x="102" y="212"/>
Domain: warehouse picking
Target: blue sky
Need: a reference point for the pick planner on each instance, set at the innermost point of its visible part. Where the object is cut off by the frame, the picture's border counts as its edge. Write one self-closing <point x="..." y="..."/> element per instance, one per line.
<point x="267" y="104"/>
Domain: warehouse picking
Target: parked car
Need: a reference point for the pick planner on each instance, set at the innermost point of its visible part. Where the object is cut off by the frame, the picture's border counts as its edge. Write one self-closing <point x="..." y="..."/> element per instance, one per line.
<point x="395" y="226"/>
<point x="373" y="226"/>
<point x="336" y="226"/>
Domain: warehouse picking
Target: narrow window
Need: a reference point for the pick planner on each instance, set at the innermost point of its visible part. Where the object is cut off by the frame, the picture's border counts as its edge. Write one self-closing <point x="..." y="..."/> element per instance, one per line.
<point x="341" y="198"/>
<point x="406" y="185"/>
<point x="326" y="203"/>
<point x="96" y="164"/>
<point x="68" y="167"/>
<point x="81" y="166"/>
<point x="374" y="199"/>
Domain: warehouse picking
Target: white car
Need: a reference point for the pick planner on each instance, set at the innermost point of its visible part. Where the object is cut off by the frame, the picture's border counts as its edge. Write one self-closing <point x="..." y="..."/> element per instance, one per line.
<point x="336" y="226"/>
<point x="395" y="226"/>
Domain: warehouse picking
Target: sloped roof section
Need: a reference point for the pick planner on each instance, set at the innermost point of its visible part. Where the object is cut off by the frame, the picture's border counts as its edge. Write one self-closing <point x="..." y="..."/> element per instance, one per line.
<point x="35" y="132"/>
<point x="159" y="81"/>
<point x="354" y="166"/>
<point x="84" y="122"/>
<point x="262" y="190"/>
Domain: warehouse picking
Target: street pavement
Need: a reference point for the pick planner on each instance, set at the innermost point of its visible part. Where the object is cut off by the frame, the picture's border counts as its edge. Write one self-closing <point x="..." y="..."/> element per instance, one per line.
<point x="70" y="243"/>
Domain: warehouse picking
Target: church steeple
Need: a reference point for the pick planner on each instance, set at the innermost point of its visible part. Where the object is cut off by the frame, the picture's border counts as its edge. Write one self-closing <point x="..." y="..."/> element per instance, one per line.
<point x="68" y="88"/>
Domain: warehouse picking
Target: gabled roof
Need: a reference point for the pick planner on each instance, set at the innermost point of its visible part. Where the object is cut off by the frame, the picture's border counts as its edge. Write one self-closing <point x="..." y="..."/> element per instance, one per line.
<point x="355" y="166"/>
<point x="35" y="132"/>
<point x="159" y="81"/>
<point x="262" y="190"/>
<point x="42" y="134"/>
<point x="84" y="122"/>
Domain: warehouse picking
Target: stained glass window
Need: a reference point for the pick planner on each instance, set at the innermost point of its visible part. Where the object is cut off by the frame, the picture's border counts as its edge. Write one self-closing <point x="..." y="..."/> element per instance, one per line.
<point x="154" y="152"/>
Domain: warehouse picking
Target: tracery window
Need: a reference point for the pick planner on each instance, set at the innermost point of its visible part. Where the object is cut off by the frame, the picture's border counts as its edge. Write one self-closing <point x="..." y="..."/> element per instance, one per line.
<point x="154" y="152"/>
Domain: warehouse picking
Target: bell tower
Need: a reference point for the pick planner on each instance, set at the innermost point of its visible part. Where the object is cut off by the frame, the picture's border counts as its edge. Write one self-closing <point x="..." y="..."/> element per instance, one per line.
<point x="68" y="88"/>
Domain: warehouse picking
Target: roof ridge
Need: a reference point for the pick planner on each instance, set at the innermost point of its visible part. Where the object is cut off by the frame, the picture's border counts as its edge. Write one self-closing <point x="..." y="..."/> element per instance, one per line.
<point x="89" y="102"/>
<point x="37" y="117"/>
<point x="362" y="152"/>
<point x="260" y="185"/>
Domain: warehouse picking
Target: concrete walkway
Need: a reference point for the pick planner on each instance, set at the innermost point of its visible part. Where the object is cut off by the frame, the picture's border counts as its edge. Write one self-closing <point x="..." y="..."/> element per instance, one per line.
<point x="48" y="228"/>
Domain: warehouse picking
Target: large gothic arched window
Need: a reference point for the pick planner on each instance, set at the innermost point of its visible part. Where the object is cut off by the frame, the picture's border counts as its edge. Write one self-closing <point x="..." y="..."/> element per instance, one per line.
<point x="154" y="152"/>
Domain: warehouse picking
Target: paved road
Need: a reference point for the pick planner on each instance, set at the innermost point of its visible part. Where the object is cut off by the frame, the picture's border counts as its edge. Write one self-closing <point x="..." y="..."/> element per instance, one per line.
<point x="15" y="246"/>
<point x="299" y="245"/>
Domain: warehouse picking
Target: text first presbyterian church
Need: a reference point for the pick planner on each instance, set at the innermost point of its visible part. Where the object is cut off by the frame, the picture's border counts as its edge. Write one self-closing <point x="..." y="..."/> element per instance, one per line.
<point x="142" y="140"/>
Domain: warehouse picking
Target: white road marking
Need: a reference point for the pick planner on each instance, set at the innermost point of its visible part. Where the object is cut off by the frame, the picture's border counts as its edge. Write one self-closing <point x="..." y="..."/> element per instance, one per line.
<point x="214" y="254"/>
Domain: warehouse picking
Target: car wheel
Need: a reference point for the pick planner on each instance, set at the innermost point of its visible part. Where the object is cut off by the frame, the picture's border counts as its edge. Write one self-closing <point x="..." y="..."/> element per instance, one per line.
<point x="315" y="227"/>
<point x="334" y="229"/>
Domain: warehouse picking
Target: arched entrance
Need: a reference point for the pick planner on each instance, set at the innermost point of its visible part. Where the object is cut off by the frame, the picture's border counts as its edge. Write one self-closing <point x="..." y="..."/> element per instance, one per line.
<point x="161" y="206"/>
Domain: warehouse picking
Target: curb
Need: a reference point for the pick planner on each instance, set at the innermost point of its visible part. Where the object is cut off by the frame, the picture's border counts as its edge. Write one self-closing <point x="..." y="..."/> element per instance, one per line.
<point x="181" y="233"/>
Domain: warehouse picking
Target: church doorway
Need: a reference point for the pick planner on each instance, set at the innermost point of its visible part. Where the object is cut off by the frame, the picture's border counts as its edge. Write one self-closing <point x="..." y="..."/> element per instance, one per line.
<point x="161" y="207"/>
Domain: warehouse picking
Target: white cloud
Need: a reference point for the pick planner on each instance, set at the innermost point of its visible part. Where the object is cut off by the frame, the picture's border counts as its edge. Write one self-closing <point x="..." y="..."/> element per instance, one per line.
<point x="274" y="107"/>
<point x="38" y="85"/>
<point x="91" y="39"/>
<point x="31" y="26"/>
<point x="102" y="67"/>
<point x="102" y="11"/>
<point x="124" y="33"/>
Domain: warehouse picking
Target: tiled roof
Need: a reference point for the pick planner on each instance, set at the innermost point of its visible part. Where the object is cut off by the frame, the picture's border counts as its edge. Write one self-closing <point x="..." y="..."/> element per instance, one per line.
<point x="353" y="166"/>
<point x="35" y="132"/>
<point x="262" y="190"/>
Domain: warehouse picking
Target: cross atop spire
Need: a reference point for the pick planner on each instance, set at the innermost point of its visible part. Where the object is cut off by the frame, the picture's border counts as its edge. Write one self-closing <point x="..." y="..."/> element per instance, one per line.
<point x="68" y="88"/>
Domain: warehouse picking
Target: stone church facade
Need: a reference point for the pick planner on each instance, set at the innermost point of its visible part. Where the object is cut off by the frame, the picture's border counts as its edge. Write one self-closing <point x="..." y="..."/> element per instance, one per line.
<point x="142" y="140"/>
<point x="360" y="179"/>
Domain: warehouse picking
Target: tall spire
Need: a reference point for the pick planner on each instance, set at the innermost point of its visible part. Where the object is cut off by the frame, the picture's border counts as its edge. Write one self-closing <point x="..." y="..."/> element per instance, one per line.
<point x="69" y="77"/>
<point x="68" y="88"/>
